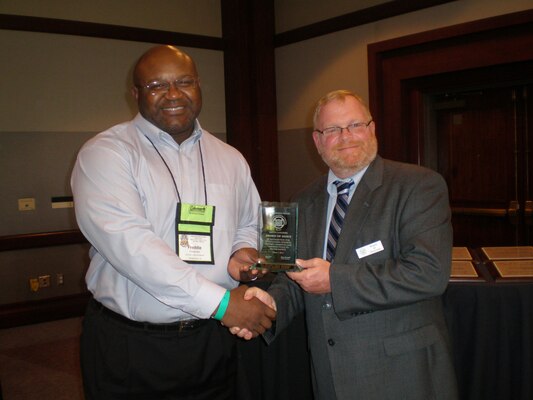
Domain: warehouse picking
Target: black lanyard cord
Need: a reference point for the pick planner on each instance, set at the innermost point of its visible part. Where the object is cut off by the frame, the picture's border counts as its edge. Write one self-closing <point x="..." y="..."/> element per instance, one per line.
<point x="203" y="170"/>
<point x="172" y="175"/>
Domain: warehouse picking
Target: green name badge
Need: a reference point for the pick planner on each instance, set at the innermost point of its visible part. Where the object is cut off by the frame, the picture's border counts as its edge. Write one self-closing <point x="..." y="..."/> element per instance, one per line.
<point x="194" y="233"/>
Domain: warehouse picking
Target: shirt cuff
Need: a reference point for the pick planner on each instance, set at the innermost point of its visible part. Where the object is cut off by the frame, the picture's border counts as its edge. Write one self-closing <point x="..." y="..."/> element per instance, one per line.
<point x="207" y="299"/>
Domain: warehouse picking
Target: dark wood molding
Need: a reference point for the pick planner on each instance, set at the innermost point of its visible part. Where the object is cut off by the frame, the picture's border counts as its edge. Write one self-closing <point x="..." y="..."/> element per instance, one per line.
<point x="42" y="239"/>
<point x="106" y="31"/>
<point x="356" y="18"/>
<point x="395" y="66"/>
<point x="249" y="69"/>
<point x="33" y="312"/>
<point x="429" y="38"/>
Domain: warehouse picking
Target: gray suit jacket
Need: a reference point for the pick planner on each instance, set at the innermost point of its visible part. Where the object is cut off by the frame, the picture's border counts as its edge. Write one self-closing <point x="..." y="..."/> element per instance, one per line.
<point x="380" y="334"/>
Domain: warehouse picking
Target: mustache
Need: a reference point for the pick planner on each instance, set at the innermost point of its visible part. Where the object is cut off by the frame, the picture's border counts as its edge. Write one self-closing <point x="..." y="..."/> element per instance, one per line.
<point x="176" y="103"/>
<point x="351" y="143"/>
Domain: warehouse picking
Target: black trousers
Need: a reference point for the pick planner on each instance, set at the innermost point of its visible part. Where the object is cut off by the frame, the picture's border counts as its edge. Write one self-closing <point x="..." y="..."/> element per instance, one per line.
<point x="121" y="359"/>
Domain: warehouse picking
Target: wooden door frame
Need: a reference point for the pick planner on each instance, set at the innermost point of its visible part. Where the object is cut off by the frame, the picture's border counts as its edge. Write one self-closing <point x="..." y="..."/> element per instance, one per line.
<point x="394" y="65"/>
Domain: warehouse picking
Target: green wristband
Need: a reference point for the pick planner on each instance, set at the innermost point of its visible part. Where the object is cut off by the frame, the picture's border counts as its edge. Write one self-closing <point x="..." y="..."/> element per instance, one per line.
<point x="223" y="306"/>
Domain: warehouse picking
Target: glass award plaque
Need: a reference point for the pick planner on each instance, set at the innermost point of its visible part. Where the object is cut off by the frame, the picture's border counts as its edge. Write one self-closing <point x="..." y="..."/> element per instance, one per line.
<point x="277" y="237"/>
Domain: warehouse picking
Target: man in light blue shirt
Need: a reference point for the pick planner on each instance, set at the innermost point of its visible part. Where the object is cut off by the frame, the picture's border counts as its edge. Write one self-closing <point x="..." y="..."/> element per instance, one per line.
<point x="171" y="214"/>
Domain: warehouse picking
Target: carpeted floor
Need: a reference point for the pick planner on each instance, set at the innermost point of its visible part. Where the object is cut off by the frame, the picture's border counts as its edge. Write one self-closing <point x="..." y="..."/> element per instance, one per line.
<point x="41" y="361"/>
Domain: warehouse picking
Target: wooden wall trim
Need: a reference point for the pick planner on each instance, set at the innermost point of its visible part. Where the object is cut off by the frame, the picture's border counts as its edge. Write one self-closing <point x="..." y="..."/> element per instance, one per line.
<point x="33" y="312"/>
<point x="356" y="18"/>
<point x="43" y="310"/>
<point x="91" y="29"/>
<point x="249" y="74"/>
<point x="472" y="27"/>
<point x="43" y="239"/>
<point x="394" y="65"/>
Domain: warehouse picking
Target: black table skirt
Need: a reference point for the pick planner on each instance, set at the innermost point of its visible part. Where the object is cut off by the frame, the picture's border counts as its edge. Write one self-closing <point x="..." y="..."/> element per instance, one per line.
<point x="279" y="371"/>
<point x="491" y="328"/>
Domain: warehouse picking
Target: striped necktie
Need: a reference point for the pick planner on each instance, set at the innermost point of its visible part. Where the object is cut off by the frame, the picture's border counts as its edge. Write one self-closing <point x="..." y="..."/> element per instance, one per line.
<point x="337" y="217"/>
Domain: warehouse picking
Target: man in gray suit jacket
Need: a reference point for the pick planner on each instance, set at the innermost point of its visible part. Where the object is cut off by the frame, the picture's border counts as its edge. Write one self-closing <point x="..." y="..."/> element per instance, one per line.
<point x="373" y="310"/>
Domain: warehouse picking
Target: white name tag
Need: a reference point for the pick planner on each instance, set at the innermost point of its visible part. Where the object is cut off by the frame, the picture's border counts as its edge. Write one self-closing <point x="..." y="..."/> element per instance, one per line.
<point x="195" y="248"/>
<point x="369" y="249"/>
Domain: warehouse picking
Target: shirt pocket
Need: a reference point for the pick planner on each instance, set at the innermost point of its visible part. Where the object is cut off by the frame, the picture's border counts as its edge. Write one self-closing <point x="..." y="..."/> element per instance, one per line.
<point x="224" y="199"/>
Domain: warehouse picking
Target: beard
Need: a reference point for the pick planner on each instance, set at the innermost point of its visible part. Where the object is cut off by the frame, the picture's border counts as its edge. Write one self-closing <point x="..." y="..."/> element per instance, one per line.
<point x="350" y="161"/>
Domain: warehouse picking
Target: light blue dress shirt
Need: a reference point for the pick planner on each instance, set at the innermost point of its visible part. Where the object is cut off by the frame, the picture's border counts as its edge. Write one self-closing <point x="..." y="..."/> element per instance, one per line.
<point x="125" y="205"/>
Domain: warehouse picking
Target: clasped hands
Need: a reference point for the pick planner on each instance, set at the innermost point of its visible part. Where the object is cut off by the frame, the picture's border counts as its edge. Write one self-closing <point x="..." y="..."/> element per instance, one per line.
<point x="314" y="278"/>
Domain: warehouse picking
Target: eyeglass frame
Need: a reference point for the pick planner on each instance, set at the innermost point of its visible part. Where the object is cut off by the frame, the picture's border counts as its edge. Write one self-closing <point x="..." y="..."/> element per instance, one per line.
<point x="354" y="125"/>
<point x="166" y="85"/>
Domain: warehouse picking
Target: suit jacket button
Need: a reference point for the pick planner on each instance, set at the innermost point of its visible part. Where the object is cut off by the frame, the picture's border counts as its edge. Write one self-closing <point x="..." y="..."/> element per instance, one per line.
<point x="331" y="342"/>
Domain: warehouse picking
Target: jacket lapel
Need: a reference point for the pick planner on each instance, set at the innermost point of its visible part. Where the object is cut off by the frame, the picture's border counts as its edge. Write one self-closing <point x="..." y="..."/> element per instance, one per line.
<point x="358" y="209"/>
<point x="315" y="222"/>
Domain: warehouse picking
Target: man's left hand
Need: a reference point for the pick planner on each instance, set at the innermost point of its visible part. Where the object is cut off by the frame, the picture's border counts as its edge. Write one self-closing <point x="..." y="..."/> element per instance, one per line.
<point x="240" y="263"/>
<point x="314" y="277"/>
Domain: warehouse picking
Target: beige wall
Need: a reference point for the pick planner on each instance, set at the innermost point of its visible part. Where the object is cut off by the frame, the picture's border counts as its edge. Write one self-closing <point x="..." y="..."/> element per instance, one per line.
<point x="307" y="70"/>
<point x="80" y="84"/>
<point x="292" y="14"/>
<point x="64" y="83"/>
<point x="55" y="85"/>
<point x="200" y="17"/>
<point x="57" y="91"/>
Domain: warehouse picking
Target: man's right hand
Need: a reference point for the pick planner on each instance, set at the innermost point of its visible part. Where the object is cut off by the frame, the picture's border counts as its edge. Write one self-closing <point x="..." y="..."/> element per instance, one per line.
<point x="252" y="314"/>
<point x="261" y="295"/>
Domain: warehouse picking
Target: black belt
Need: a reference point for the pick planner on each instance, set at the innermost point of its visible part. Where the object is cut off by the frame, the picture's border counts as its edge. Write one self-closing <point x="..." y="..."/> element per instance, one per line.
<point x="179" y="326"/>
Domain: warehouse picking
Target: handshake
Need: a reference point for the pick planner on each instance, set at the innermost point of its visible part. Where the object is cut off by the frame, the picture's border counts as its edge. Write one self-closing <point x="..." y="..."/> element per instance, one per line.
<point x="250" y="312"/>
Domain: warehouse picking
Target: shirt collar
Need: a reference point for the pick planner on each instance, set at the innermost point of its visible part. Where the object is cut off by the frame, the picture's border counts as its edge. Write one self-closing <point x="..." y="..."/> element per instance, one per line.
<point x="332" y="188"/>
<point x="156" y="134"/>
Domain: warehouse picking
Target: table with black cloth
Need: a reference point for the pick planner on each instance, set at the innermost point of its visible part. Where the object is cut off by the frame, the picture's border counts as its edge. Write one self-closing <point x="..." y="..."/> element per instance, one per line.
<point x="279" y="371"/>
<point x="491" y="328"/>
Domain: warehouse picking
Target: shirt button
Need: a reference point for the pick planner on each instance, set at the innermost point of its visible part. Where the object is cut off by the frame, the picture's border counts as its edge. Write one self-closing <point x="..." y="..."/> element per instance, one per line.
<point x="331" y="342"/>
<point x="326" y="306"/>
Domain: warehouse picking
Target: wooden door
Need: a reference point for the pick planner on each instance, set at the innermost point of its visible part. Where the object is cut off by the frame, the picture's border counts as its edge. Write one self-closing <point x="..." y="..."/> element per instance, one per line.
<point x="482" y="147"/>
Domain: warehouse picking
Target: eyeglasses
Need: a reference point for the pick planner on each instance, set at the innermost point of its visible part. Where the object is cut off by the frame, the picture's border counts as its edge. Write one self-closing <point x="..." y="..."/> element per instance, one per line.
<point x="356" y="127"/>
<point x="160" y="87"/>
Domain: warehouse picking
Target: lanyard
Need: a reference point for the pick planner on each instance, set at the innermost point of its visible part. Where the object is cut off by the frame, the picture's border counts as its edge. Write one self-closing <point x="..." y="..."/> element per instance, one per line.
<point x="172" y="175"/>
